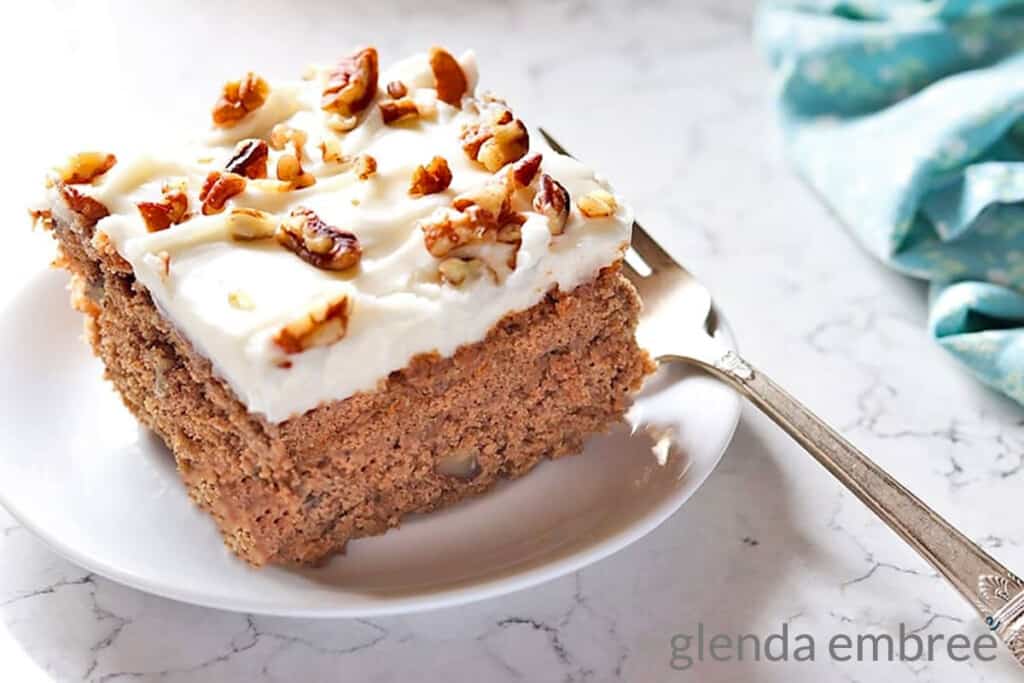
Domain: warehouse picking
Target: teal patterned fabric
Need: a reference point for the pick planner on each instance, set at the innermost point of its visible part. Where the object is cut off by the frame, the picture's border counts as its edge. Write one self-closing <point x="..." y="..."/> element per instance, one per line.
<point x="907" y="116"/>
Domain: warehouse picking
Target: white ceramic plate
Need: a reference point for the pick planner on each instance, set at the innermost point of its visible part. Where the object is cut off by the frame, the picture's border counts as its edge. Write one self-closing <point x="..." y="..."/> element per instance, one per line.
<point x="77" y="470"/>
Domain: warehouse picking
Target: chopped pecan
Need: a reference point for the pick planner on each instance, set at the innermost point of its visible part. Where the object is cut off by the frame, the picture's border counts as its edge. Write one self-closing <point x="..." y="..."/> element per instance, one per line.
<point x="318" y="243"/>
<point x="282" y="134"/>
<point x="289" y="169"/>
<point x="430" y="179"/>
<point x="218" y="189"/>
<point x="89" y="209"/>
<point x="491" y="201"/>
<point x="457" y="270"/>
<point x="365" y="167"/>
<point x="163" y="261"/>
<point x="42" y="218"/>
<point x="247" y="224"/>
<point x="352" y="84"/>
<point x="495" y="143"/>
<point x="396" y="110"/>
<point x="240" y="98"/>
<point x="341" y="124"/>
<point x="396" y="90"/>
<point x="525" y="170"/>
<point x="597" y="204"/>
<point x="449" y="78"/>
<point x="510" y="233"/>
<point x="447" y="230"/>
<point x="86" y="167"/>
<point x="330" y="150"/>
<point x="171" y="210"/>
<point x="249" y="159"/>
<point x="552" y="201"/>
<point x="324" y="325"/>
<point x="476" y="216"/>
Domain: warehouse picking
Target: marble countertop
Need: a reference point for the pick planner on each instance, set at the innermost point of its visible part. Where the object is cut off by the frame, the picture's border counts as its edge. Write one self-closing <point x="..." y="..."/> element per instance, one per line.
<point x="673" y="103"/>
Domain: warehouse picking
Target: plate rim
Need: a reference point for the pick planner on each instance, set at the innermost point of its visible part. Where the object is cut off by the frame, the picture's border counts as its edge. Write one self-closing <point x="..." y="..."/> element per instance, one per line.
<point x="461" y="593"/>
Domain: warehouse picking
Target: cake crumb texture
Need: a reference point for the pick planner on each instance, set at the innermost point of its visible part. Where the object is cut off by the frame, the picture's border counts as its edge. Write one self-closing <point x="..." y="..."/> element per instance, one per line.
<point x="434" y="432"/>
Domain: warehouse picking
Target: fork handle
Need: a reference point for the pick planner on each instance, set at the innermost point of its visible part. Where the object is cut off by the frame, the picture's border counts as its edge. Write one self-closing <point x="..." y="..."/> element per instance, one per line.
<point x="995" y="592"/>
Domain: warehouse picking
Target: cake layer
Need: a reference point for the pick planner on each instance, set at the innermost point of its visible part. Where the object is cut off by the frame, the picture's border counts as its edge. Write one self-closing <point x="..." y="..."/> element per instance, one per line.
<point x="437" y="430"/>
<point x="310" y="245"/>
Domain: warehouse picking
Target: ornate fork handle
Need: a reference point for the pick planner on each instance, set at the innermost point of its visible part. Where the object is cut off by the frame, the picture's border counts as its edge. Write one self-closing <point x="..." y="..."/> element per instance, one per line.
<point x="996" y="593"/>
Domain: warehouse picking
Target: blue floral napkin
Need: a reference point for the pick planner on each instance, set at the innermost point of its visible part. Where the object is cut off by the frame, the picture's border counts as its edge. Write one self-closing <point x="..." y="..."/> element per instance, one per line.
<point x="907" y="116"/>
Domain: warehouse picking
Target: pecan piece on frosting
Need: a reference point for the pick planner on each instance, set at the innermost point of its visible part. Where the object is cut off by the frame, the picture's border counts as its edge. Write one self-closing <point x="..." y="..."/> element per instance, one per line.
<point x="365" y="167"/>
<point x="316" y="242"/>
<point x="597" y="204"/>
<point x="397" y="110"/>
<point x="497" y="142"/>
<point x="218" y="189"/>
<point x="282" y="134"/>
<point x="430" y="179"/>
<point x="249" y="159"/>
<point x="245" y="224"/>
<point x="239" y="99"/>
<point x="289" y="169"/>
<point x="482" y="214"/>
<point x="352" y="84"/>
<point x="552" y="201"/>
<point x="396" y="90"/>
<point x="322" y="326"/>
<point x="41" y="218"/>
<point x="524" y="171"/>
<point x="171" y="210"/>
<point x="449" y="78"/>
<point x="87" y="208"/>
<point x="86" y="167"/>
<point x="457" y="270"/>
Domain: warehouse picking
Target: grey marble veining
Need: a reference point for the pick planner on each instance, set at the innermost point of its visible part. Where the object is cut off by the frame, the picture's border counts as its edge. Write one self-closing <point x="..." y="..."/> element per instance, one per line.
<point x="672" y="102"/>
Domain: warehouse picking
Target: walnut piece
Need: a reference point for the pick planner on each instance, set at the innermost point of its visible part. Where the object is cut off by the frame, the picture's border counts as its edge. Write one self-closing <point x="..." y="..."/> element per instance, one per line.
<point x="87" y="208"/>
<point x="218" y="189"/>
<point x="316" y="242"/>
<point x="352" y="84"/>
<point x="430" y="179"/>
<point x="249" y="159"/>
<point x="365" y="167"/>
<point x="239" y="99"/>
<point x="552" y="201"/>
<point x="86" y="167"/>
<point x="597" y="204"/>
<point x="449" y="78"/>
<point x="245" y="224"/>
<point x="172" y="209"/>
<point x="496" y="142"/>
<point x="324" y="325"/>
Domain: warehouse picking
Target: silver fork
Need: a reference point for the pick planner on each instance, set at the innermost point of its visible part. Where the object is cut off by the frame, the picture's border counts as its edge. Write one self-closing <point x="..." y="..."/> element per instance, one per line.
<point x="674" y="326"/>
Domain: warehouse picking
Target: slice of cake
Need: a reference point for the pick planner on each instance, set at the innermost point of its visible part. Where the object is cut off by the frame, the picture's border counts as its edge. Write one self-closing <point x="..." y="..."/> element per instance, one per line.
<point x="361" y="295"/>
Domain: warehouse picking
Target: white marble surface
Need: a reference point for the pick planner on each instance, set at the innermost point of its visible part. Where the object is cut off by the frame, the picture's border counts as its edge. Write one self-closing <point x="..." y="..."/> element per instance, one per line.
<point x="671" y="100"/>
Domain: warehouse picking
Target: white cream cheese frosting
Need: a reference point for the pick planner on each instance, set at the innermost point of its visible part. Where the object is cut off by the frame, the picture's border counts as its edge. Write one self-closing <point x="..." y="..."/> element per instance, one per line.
<point x="230" y="298"/>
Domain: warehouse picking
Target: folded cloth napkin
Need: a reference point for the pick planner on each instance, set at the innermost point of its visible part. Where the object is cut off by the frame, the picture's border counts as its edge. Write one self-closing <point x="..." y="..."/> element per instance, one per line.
<point x="907" y="116"/>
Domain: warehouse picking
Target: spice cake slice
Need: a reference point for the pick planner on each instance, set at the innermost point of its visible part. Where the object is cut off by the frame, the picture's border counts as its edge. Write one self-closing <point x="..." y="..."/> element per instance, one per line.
<point x="360" y="296"/>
